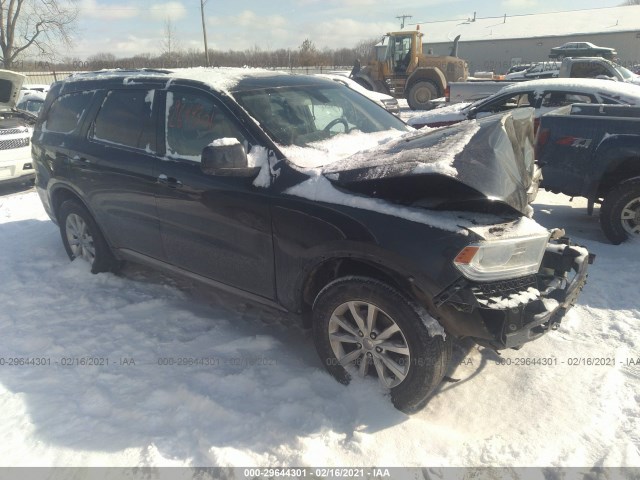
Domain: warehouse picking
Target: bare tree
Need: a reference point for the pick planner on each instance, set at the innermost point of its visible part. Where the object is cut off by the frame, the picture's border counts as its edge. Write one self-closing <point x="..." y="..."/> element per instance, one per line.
<point x="632" y="2"/>
<point x="365" y="49"/>
<point x="37" y="24"/>
<point x="102" y="60"/>
<point x="169" y="42"/>
<point x="308" y="53"/>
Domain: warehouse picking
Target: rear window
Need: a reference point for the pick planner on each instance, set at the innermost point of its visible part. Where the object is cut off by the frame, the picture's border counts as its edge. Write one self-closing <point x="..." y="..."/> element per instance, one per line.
<point x="67" y="111"/>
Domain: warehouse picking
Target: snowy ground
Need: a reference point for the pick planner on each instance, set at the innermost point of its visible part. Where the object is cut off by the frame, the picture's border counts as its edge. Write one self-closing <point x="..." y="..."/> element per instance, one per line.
<point x="265" y="399"/>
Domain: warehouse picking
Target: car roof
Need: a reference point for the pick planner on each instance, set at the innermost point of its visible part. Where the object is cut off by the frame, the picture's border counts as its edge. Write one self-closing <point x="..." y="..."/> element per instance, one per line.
<point x="583" y="85"/>
<point x="220" y="79"/>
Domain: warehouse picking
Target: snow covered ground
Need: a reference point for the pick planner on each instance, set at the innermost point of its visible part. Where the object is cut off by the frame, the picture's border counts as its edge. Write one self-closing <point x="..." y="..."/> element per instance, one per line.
<point x="264" y="398"/>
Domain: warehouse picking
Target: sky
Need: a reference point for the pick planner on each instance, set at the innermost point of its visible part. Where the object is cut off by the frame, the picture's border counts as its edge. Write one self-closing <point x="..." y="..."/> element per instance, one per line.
<point x="128" y="27"/>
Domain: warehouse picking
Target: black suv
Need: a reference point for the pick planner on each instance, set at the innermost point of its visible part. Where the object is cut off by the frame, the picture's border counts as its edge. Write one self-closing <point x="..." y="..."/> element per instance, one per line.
<point x="249" y="181"/>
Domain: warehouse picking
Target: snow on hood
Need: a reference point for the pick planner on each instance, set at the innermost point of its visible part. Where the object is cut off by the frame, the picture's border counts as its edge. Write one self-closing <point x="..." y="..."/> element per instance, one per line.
<point x="423" y="177"/>
<point x="337" y="148"/>
<point x="10" y="84"/>
<point x="436" y="156"/>
<point x="353" y="85"/>
<point x="450" y="113"/>
<point x="477" y="160"/>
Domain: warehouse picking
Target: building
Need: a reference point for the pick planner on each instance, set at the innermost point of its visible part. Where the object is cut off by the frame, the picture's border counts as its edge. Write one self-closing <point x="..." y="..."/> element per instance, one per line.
<point x="496" y="43"/>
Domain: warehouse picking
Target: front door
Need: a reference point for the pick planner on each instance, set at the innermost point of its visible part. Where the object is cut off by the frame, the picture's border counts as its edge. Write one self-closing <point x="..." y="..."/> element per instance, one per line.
<point x="215" y="226"/>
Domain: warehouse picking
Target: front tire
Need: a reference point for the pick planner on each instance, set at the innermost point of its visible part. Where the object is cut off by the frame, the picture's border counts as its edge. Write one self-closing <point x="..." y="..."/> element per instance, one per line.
<point x="368" y="328"/>
<point x="620" y="213"/>
<point x="83" y="239"/>
<point x="421" y="94"/>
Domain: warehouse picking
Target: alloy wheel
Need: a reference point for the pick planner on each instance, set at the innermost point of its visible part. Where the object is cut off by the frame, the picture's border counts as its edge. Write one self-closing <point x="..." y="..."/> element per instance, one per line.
<point x="364" y="336"/>
<point x="80" y="238"/>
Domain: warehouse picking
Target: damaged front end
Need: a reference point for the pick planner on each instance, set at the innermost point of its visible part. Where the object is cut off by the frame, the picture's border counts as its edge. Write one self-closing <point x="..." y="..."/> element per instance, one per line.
<point x="515" y="279"/>
<point x="518" y="310"/>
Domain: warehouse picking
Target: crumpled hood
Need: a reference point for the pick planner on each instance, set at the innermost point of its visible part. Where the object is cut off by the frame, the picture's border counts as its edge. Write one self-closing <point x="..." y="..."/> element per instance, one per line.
<point x="488" y="161"/>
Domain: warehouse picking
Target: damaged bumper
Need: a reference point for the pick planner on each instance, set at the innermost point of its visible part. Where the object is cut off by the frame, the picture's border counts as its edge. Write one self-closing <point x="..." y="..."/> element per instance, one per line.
<point x="514" y="312"/>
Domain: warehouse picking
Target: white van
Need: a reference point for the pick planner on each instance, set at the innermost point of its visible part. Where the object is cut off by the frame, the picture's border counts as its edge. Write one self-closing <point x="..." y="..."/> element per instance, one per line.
<point x="16" y="128"/>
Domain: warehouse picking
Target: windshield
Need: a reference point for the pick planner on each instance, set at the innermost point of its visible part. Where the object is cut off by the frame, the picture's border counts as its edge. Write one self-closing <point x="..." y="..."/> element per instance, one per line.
<point x="301" y="115"/>
<point x="626" y="74"/>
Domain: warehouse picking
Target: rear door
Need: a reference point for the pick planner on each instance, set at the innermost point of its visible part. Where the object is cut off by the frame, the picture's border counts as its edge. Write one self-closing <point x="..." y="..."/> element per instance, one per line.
<point x="215" y="226"/>
<point x="114" y="168"/>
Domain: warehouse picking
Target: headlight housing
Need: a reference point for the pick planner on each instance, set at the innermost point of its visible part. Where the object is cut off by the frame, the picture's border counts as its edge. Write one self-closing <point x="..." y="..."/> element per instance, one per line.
<point x="487" y="261"/>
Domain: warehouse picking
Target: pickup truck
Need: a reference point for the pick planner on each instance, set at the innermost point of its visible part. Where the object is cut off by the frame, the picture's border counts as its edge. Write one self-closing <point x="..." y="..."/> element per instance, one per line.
<point x="593" y="151"/>
<point x="583" y="67"/>
<point x="596" y="67"/>
<point x="457" y="92"/>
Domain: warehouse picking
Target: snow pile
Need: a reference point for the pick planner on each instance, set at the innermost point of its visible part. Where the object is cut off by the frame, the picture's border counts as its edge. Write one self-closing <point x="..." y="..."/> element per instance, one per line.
<point x="246" y="388"/>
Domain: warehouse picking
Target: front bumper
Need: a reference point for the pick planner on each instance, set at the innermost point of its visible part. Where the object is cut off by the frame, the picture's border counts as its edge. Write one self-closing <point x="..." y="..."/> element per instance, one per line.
<point x="510" y="313"/>
<point x="16" y="165"/>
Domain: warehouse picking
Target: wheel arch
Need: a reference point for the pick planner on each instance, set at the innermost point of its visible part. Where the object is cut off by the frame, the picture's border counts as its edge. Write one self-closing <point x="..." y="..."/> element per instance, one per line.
<point x="429" y="74"/>
<point x="61" y="194"/>
<point x="622" y="169"/>
<point x="328" y="270"/>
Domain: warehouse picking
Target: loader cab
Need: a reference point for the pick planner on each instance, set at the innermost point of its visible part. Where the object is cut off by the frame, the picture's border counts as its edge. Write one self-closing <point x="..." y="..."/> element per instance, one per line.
<point x="399" y="50"/>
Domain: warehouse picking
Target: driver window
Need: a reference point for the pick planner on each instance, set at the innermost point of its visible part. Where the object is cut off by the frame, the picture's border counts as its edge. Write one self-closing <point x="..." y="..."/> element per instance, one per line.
<point x="503" y="104"/>
<point x="193" y="121"/>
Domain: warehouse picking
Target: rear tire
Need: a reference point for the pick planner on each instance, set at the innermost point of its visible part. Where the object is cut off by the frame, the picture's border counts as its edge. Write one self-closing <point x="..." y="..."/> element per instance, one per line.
<point x="421" y="94"/>
<point x="372" y="329"/>
<point x="620" y="213"/>
<point x="83" y="239"/>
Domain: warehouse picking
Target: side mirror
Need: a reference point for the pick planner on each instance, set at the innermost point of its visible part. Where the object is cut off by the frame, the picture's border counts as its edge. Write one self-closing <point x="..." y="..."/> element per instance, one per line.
<point x="228" y="160"/>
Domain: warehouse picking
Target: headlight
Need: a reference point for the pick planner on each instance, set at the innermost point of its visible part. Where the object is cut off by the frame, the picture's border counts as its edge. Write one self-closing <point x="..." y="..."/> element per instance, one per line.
<point x="502" y="259"/>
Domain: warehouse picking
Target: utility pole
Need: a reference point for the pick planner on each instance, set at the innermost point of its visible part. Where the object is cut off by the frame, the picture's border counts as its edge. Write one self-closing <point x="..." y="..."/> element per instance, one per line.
<point x="402" y="17"/>
<point x="204" y="32"/>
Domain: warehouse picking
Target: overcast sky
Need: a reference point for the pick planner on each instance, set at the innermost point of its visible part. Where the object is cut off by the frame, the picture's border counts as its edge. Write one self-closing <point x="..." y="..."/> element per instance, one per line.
<point x="128" y="27"/>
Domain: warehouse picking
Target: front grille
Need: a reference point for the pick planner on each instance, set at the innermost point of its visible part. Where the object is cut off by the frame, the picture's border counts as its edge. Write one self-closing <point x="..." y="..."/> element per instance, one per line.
<point x="14" y="143"/>
<point x="506" y="293"/>
<point x="505" y="287"/>
<point x="14" y="131"/>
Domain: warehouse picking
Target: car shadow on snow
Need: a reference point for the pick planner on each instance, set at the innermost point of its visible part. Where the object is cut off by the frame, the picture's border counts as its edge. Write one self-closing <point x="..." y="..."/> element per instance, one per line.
<point x="578" y="225"/>
<point x="12" y="188"/>
<point x="613" y="278"/>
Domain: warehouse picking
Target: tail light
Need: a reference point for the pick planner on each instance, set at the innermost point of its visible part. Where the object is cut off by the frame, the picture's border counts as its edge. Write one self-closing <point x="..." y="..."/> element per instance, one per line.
<point x="447" y="93"/>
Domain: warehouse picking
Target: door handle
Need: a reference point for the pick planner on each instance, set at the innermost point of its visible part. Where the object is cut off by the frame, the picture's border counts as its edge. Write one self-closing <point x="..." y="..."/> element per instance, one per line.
<point x="170" y="182"/>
